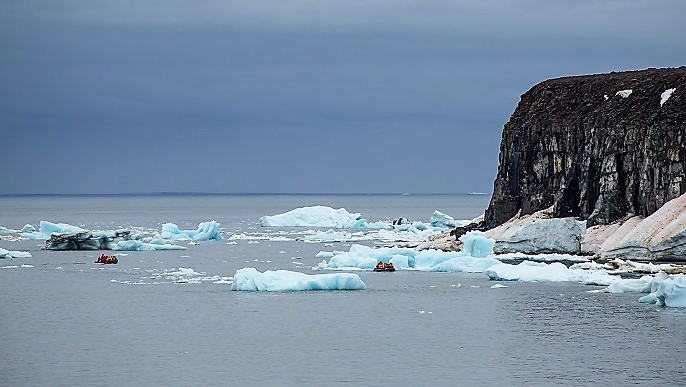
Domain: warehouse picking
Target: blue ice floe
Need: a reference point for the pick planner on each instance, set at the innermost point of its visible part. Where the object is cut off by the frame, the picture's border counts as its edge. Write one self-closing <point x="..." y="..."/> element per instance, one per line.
<point x="474" y="258"/>
<point x="249" y="279"/>
<point x="206" y="231"/>
<point x="441" y="220"/>
<point x="529" y="271"/>
<point x="134" y="245"/>
<point x="13" y="254"/>
<point x="320" y="216"/>
<point x="46" y="229"/>
<point x="5" y="230"/>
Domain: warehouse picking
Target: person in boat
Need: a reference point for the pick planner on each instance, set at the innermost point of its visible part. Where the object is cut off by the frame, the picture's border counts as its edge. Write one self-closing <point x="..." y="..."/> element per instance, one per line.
<point x="380" y="265"/>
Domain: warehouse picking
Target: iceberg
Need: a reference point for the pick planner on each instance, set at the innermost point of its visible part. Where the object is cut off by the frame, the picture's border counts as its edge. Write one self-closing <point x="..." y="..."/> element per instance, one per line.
<point x="249" y="279"/>
<point x="320" y="216"/>
<point x="134" y="245"/>
<point x="666" y="291"/>
<point x="13" y="254"/>
<point x="206" y="231"/>
<point x="363" y="257"/>
<point x="5" y="230"/>
<point x="441" y="220"/>
<point x="46" y="229"/>
<point x="28" y="228"/>
<point x="529" y="271"/>
<point x="472" y="259"/>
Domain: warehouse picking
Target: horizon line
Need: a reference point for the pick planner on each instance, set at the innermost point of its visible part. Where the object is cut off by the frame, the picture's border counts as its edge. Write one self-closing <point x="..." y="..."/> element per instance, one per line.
<point x="187" y="193"/>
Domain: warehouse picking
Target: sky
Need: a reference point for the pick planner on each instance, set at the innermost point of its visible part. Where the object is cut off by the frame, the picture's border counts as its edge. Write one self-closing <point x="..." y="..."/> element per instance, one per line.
<point x="288" y="96"/>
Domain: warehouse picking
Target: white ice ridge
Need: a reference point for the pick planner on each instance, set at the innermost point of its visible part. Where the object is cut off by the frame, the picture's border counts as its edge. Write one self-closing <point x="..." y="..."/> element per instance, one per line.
<point x="283" y="281"/>
<point x="14" y="254"/>
<point x="206" y="231"/>
<point x="319" y="216"/>
<point x="665" y="95"/>
<point x="624" y="93"/>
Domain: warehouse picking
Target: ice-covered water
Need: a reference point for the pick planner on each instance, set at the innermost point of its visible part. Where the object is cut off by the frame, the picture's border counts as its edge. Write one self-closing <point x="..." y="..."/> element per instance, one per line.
<point x="170" y="318"/>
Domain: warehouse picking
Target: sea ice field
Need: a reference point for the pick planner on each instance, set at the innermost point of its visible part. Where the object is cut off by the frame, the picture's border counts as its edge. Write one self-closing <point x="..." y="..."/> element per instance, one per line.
<point x="264" y="290"/>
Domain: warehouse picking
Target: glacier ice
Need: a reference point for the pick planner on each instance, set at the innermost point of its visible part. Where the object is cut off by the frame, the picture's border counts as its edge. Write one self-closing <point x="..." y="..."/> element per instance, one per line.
<point x="441" y="220"/>
<point x="666" y="291"/>
<point x="249" y="279"/>
<point x="320" y="216"/>
<point x="473" y="259"/>
<point x="134" y="245"/>
<point x="529" y="271"/>
<point x="206" y="231"/>
<point x="14" y="254"/>
<point x="46" y="229"/>
<point x="477" y="244"/>
<point x="5" y="230"/>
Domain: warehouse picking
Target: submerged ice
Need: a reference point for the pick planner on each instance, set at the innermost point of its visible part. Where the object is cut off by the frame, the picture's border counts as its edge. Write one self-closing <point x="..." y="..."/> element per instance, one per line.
<point x="249" y="279"/>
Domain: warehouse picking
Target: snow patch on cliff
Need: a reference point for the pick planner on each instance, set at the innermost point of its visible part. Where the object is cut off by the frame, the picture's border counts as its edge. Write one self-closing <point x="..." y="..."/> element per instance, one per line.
<point x="665" y="95"/>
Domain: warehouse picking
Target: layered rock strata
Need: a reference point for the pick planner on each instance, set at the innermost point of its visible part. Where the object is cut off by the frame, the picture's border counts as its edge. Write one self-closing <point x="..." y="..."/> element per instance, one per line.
<point x="598" y="148"/>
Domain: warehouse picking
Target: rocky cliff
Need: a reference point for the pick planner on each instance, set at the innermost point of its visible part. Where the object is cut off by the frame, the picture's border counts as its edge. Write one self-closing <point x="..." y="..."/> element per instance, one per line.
<point x="599" y="148"/>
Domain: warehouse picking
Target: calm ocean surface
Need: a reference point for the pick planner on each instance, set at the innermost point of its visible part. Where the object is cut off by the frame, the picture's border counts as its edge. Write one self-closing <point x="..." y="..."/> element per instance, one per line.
<point x="68" y="322"/>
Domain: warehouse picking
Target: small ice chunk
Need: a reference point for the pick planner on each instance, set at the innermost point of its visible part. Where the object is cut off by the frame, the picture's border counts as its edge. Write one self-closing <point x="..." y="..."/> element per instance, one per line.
<point x="665" y="95"/>
<point x="13" y="254"/>
<point x="497" y="286"/>
<point x="624" y="93"/>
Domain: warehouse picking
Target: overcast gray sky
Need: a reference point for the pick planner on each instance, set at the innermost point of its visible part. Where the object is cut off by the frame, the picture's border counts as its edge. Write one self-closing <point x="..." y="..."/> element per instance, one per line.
<point x="293" y="96"/>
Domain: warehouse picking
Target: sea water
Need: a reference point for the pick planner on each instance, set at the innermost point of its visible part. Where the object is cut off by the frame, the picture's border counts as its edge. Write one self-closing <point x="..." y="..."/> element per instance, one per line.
<point x="170" y="318"/>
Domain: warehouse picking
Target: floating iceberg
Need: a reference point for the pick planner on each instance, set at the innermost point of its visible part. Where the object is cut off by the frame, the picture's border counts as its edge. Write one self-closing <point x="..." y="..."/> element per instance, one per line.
<point x="441" y="220"/>
<point x="206" y="231"/>
<point x="28" y="228"/>
<point x="320" y="216"/>
<point x="134" y="245"/>
<point x="249" y="279"/>
<point x="363" y="257"/>
<point x="666" y="291"/>
<point x="5" y="230"/>
<point x="46" y="229"/>
<point x="472" y="259"/>
<point x="13" y="254"/>
<point x="529" y="271"/>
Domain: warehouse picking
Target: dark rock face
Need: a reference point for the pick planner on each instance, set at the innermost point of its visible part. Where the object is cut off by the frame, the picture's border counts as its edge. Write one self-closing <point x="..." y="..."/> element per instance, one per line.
<point x="590" y="152"/>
